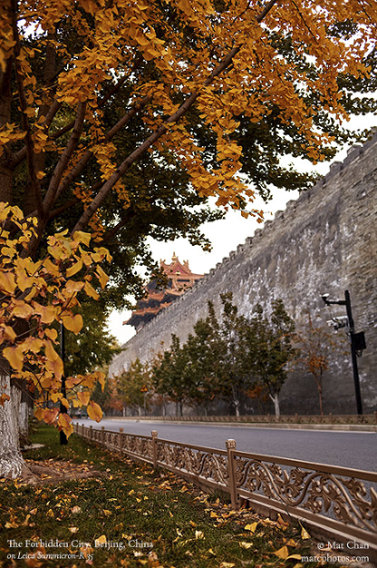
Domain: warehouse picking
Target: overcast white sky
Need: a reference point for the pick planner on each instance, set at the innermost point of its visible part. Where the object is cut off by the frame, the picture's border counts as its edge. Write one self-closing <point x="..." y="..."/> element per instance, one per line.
<point x="225" y="236"/>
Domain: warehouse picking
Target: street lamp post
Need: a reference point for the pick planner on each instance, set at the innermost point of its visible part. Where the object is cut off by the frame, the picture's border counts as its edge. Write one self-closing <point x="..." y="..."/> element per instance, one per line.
<point x="357" y="342"/>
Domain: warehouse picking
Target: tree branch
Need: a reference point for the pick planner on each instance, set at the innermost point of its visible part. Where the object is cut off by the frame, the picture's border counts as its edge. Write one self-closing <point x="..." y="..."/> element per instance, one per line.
<point x="112" y="232"/>
<point x="56" y="212"/>
<point x="136" y="154"/>
<point x="101" y="101"/>
<point x="19" y="156"/>
<point x="80" y="166"/>
<point x="65" y="157"/>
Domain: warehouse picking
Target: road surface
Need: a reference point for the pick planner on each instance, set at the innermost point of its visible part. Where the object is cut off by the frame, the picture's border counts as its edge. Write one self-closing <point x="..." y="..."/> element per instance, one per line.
<point x="348" y="449"/>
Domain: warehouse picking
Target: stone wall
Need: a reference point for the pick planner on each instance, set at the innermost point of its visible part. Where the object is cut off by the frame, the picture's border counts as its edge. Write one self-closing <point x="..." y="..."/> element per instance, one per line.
<point x="325" y="241"/>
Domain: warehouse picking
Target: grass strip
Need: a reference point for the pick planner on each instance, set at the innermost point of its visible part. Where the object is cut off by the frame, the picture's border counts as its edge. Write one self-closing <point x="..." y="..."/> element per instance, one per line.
<point x="128" y="515"/>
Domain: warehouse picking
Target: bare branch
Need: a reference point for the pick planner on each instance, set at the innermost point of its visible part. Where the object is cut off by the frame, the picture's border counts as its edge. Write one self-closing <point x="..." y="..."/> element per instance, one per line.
<point x="56" y="212"/>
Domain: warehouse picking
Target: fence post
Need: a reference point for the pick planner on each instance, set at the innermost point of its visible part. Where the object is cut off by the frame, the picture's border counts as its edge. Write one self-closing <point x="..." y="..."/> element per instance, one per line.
<point x="90" y="432"/>
<point x="103" y="435"/>
<point x="231" y="446"/>
<point x="120" y="439"/>
<point x="154" y="444"/>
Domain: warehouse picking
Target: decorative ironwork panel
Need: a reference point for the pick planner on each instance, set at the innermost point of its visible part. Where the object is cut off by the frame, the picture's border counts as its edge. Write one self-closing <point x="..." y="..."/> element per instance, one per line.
<point x="335" y="495"/>
<point x="211" y="466"/>
<point x="142" y="447"/>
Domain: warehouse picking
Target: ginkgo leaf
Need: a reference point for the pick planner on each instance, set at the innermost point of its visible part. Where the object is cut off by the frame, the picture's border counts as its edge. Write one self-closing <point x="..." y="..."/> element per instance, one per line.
<point x="72" y="322"/>
<point x="94" y="411"/>
<point x="102" y="277"/>
<point x="72" y="270"/>
<point x="283" y="552"/>
<point x="251" y="527"/>
<point x="82" y="237"/>
<point x="53" y="361"/>
<point x="88" y="288"/>
<point x="3" y="398"/>
<point x="47" y="313"/>
<point x="100" y="541"/>
<point x="245" y="545"/>
<point x="9" y="333"/>
<point x="22" y="310"/>
<point x="83" y="397"/>
<point x="65" y="424"/>
<point x="14" y="356"/>
<point x="304" y="533"/>
<point x="7" y="282"/>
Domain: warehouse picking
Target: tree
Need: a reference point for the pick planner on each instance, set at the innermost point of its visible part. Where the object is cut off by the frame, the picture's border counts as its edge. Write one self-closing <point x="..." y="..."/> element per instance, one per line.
<point x="175" y="74"/>
<point x="229" y="362"/>
<point x="93" y="340"/>
<point x="216" y="356"/>
<point x="202" y="385"/>
<point x="33" y="296"/>
<point x="316" y="345"/>
<point x="172" y="374"/>
<point x="134" y="385"/>
<point x="268" y="347"/>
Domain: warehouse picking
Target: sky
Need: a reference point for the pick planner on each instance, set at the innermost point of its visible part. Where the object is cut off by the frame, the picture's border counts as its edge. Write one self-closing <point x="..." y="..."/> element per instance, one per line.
<point x="225" y="235"/>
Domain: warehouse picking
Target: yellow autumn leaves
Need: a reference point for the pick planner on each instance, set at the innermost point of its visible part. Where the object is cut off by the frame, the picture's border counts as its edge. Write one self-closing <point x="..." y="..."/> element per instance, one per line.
<point x="35" y="295"/>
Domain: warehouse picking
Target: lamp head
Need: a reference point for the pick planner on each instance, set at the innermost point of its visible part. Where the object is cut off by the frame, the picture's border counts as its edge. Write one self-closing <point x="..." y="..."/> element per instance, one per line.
<point x="325" y="297"/>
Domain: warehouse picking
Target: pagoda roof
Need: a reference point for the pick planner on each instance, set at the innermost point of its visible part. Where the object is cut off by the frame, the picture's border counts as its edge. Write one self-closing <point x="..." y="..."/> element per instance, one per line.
<point x="177" y="267"/>
<point x="180" y="278"/>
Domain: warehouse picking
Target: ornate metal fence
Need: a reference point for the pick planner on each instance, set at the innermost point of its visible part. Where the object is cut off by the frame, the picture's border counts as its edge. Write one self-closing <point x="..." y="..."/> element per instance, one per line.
<point x="337" y="501"/>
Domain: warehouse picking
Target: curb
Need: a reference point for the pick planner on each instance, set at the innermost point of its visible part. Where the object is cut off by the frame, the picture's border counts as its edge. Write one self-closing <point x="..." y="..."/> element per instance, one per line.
<point x="326" y="427"/>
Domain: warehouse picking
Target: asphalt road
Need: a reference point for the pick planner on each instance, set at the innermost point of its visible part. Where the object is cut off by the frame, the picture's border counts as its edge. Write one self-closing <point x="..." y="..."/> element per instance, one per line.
<point x="348" y="449"/>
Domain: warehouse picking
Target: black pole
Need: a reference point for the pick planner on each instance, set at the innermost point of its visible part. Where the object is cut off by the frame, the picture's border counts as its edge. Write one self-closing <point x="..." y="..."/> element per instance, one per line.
<point x="63" y="409"/>
<point x="355" y="369"/>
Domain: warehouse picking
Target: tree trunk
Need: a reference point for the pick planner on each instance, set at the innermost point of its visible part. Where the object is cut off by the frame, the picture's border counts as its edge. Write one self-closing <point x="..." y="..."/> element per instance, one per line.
<point x="11" y="462"/>
<point x="275" y="400"/>
<point x="236" y="402"/>
<point x="320" y="399"/>
<point x="24" y="419"/>
<point x="6" y="173"/>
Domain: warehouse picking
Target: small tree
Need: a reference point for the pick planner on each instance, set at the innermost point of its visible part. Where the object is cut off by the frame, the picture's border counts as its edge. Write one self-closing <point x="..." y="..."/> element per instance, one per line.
<point x="316" y="346"/>
<point x="269" y="350"/>
<point x="171" y="373"/>
<point x="134" y="384"/>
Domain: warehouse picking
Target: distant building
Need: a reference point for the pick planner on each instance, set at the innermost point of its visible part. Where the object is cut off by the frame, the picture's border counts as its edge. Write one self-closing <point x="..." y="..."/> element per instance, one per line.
<point x="180" y="278"/>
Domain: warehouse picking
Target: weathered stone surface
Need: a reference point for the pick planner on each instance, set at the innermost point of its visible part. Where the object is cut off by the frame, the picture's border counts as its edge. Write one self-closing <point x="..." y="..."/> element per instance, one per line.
<point x="326" y="241"/>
